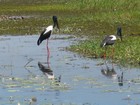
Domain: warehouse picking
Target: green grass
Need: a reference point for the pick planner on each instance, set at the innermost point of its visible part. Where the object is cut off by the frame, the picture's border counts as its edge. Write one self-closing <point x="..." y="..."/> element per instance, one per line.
<point x="98" y="17"/>
<point x="126" y="51"/>
<point x="90" y="18"/>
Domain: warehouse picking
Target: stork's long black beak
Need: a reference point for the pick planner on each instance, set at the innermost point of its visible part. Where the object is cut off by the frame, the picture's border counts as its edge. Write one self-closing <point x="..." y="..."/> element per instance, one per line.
<point x="55" y="22"/>
<point x="119" y="32"/>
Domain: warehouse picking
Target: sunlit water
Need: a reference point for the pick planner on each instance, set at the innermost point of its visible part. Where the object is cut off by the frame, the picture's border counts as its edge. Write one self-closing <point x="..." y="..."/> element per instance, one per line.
<point x="82" y="82"/>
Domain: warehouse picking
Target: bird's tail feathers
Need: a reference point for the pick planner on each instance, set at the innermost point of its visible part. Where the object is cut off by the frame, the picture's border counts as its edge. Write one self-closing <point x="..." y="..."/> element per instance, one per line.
<point x="102" y="44"/>
<point x="38" y="42"/>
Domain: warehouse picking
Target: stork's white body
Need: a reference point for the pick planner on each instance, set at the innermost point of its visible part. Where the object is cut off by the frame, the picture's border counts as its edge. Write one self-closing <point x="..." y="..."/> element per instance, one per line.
<point x="49" y="28"/>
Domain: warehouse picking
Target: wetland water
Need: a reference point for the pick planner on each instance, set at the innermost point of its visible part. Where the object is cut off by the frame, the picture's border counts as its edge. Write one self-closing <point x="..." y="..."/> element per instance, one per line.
<point x="83" y="81"/>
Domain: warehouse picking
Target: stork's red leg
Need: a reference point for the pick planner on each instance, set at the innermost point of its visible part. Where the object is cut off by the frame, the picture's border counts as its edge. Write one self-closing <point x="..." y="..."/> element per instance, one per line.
<point x="48" y="60"/>
<point x="48" y="57"/>
<point x="104" y="56"/>
<point x="112" y="54"/>
<point x="48" y="51"/>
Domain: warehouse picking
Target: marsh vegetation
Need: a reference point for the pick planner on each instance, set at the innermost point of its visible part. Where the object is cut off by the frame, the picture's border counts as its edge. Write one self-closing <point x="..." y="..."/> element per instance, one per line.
<point x="22" y="81"/>
<point x="91" y="19"/>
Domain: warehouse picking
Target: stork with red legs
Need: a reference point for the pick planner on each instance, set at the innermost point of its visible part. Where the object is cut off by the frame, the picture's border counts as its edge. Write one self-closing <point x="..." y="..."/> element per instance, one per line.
<point x="110" y="40"/>
<point x="46" y="33"/>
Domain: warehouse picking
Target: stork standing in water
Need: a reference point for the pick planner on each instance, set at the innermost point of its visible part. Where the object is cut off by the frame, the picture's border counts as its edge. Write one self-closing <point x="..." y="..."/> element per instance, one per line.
<point x="46" y="33"/>
<point x="110" y="40"/>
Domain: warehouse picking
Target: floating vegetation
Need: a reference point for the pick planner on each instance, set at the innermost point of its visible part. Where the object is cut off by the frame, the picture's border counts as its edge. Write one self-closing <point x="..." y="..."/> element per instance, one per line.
<point x="90" y="82"/>
<point x="136" y="80"/>
<point x="39" y="83"/>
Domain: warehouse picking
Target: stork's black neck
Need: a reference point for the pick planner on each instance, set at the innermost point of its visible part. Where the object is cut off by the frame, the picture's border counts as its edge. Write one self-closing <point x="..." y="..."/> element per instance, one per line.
<point x="55" y="22"/>
<point x="119" y="32"/>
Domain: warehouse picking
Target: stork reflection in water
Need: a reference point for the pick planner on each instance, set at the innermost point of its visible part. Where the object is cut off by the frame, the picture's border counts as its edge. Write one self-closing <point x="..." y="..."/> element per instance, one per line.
<point x="120" y="80"/>
<point x="46" y="70"/>
<point x="111" y="73"/>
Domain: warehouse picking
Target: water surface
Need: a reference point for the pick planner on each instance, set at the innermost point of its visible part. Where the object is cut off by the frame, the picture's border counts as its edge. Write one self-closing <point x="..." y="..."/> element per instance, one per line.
<point x="83" y="81"/>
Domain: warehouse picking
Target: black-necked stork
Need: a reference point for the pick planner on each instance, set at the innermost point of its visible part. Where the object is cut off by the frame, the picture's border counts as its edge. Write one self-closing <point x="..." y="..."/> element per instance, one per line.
<point x="46" y="33"/>
<point x="110" y="39"/>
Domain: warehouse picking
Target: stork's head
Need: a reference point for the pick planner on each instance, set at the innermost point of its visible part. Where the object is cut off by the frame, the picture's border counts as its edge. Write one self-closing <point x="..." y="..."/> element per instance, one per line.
<point x="55" y="22"/>
<point x="119" y="32"/>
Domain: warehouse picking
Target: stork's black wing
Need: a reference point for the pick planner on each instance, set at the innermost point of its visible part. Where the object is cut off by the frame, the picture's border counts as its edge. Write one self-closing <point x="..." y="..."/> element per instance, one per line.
<point x="107" y="41"/>
<point x="43" y="36"/>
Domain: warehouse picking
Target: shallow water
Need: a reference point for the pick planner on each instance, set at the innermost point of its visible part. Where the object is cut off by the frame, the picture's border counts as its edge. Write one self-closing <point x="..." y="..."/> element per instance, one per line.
<point x="83" y="81"/>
